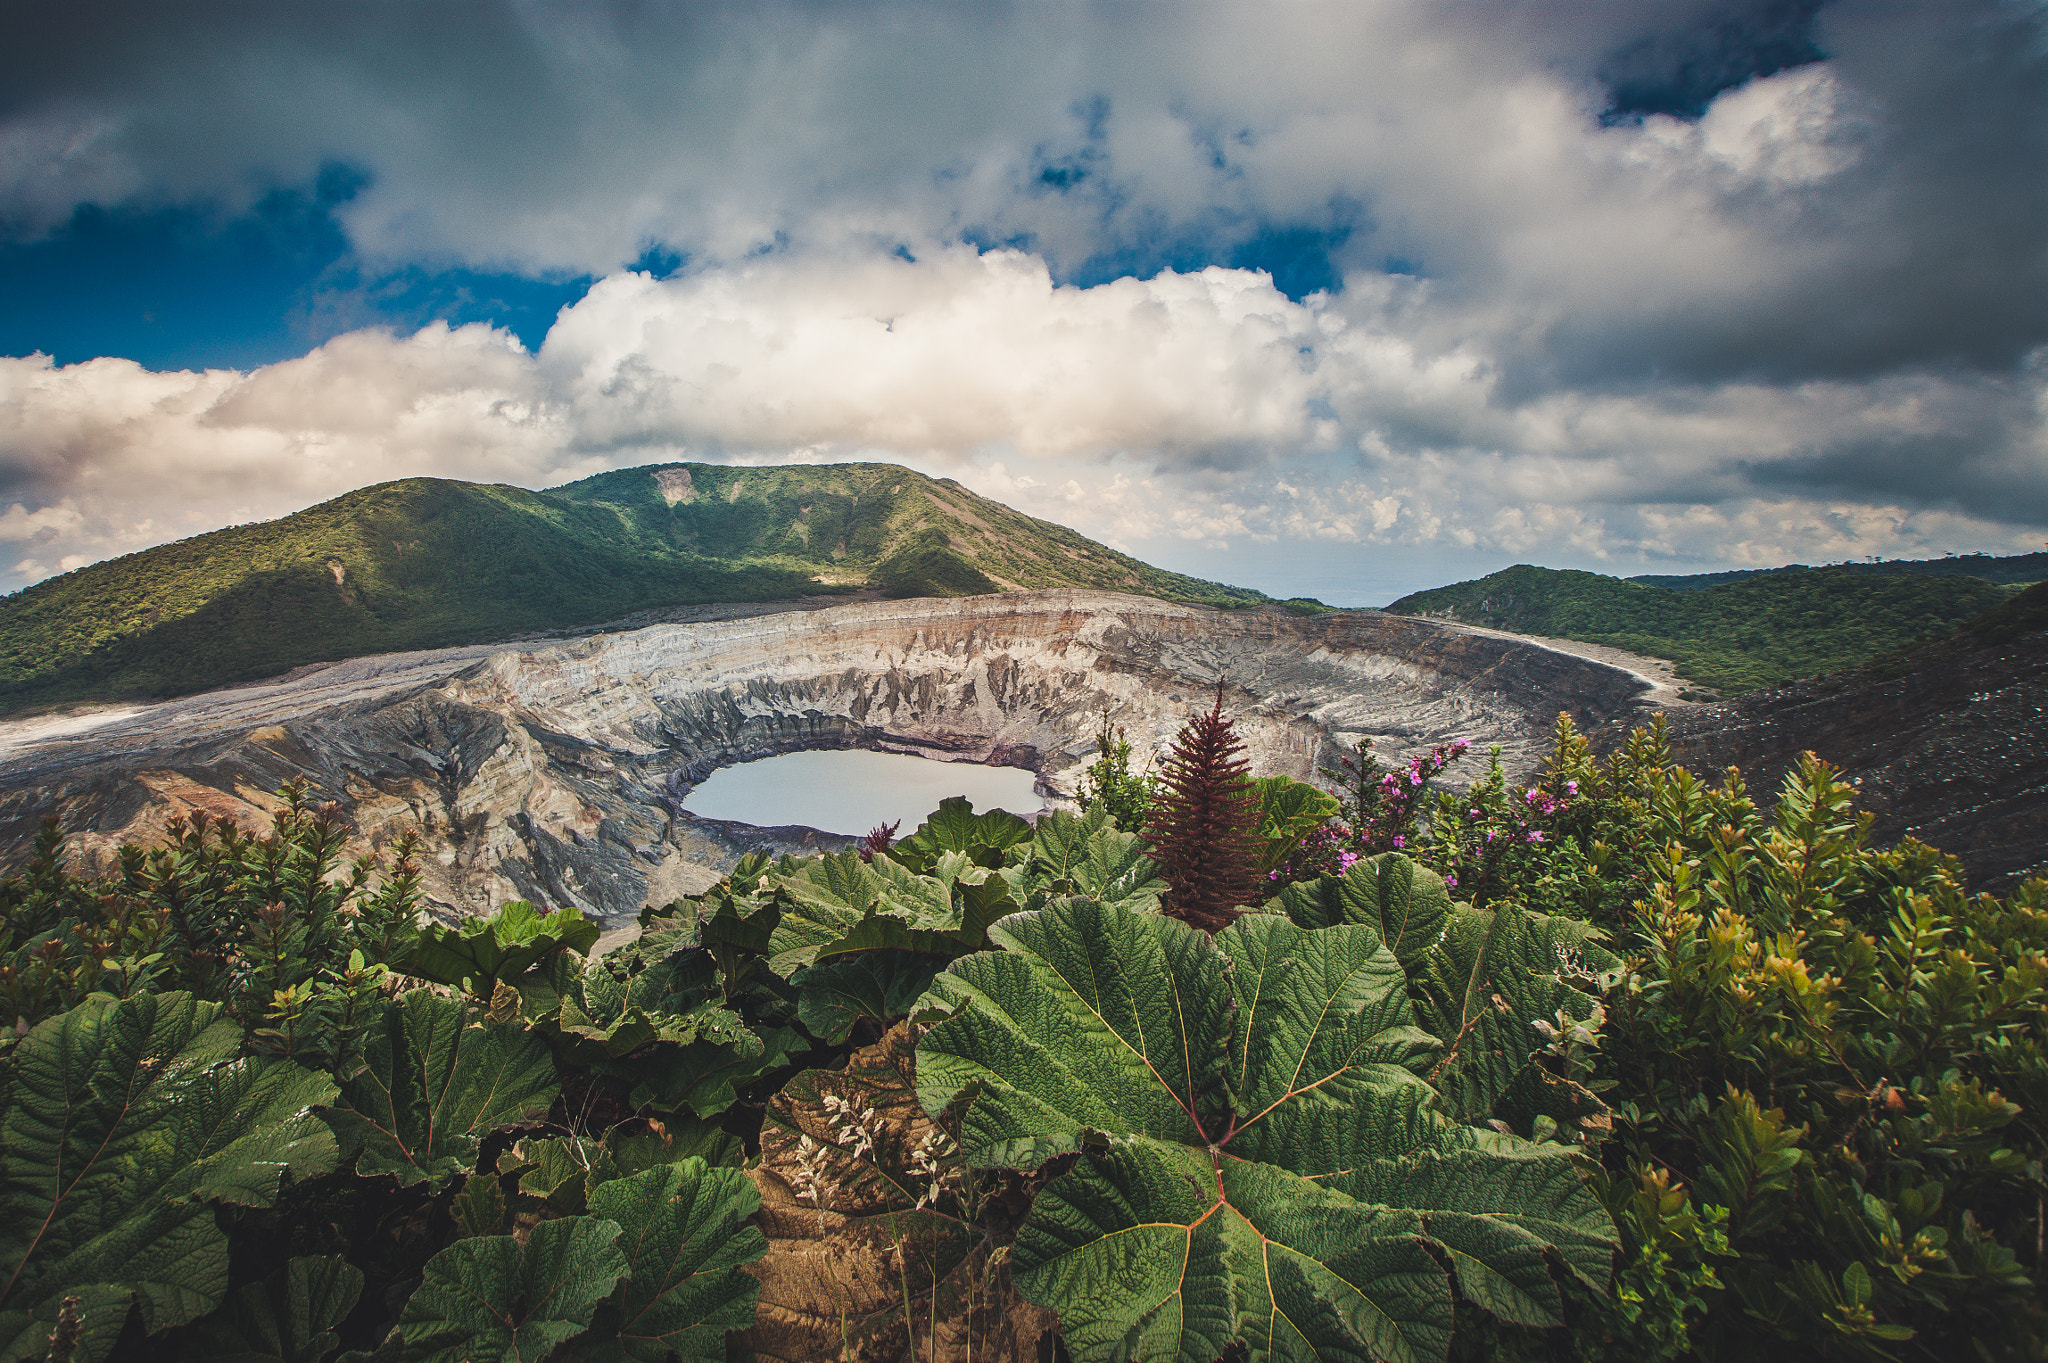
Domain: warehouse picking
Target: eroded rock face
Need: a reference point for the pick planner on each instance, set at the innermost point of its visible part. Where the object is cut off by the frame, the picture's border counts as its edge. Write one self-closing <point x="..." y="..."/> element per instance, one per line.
<point x="555" y="771"/>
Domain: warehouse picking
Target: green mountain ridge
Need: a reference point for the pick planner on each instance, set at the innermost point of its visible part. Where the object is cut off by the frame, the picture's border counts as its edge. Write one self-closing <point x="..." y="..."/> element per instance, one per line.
<point x="429" y="562"/>
<point x="1756" y="631"/>
<point x="2012" y="570"/>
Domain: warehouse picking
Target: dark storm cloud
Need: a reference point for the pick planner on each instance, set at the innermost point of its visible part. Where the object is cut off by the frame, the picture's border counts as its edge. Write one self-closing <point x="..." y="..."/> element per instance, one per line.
<point x="1679" y="69"/>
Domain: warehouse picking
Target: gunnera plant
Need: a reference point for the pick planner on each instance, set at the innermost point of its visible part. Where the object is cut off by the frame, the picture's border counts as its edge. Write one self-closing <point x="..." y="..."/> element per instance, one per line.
<point x="1204" y="830"/>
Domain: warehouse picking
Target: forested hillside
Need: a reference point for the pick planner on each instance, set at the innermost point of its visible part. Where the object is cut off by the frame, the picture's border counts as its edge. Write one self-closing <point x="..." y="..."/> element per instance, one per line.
<point x="427" y="562"/>
<point x="2011" y="570"/>
<point x="1758" y="631"/>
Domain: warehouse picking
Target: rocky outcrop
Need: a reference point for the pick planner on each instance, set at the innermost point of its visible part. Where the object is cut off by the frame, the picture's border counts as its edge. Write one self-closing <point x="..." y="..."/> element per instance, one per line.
<point x="555" y="770"/>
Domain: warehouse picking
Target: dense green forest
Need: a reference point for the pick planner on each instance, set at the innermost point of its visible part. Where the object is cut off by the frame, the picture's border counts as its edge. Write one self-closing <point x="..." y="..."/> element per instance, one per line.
<point x="1612" y="1068"/>
<point x="1758" y="631"/>
<point x="428" y="562"/>
<point x="2011" y="570"/>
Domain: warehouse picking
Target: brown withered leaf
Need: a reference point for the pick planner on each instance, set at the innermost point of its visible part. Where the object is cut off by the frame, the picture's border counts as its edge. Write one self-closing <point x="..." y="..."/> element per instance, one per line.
<point x="866" y="1264"/>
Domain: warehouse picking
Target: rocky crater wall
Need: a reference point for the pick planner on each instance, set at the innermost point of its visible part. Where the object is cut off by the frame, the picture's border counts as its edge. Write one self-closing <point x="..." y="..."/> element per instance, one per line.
<point x="555" y="770"/>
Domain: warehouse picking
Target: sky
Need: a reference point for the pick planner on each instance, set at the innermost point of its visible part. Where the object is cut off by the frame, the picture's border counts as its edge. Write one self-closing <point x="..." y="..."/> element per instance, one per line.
<point x="1338" y="300"/>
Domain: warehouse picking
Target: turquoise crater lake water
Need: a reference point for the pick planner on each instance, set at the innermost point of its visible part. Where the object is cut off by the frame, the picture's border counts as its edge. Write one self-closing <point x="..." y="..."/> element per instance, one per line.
<point x="852" y="790"/>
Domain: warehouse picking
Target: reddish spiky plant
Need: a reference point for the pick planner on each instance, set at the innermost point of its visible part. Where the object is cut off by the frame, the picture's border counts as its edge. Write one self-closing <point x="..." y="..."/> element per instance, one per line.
<point x="1203" y="832"/>
<point x="878" y="839"/>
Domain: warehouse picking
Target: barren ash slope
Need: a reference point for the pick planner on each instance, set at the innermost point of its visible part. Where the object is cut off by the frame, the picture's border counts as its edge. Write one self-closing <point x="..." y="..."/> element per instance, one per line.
<point x="1948" y="744"/>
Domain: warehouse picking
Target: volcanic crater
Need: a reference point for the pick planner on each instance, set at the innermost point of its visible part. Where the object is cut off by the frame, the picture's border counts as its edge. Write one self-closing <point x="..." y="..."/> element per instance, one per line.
<point x="554" y="769"/>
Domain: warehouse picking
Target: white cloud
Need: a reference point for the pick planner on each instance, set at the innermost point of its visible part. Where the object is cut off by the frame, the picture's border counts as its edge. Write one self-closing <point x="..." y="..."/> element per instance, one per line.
<point x="1204" y="410"/>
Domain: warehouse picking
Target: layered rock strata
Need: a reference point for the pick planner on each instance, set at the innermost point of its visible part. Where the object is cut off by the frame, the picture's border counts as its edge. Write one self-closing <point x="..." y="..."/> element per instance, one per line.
<point x="557" y="770"/>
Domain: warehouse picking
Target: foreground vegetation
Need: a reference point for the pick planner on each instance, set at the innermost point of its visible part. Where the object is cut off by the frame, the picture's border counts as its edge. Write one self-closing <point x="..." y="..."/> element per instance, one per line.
<point x="1759" y="630"/>
<point x="428" y="562"/>
<point x="1612" y="1066"/>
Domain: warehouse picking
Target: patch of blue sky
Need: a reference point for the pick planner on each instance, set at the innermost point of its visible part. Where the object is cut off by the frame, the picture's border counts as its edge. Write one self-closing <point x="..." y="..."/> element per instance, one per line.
<point x="185" y="287"/>
<point x="1301" y="259"/>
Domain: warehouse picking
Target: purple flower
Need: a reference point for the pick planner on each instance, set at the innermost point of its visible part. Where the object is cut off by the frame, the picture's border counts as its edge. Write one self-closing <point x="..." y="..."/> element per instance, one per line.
<point x="1450" y="882"/>
<point x="1536" y="836"/>
<point x="1400" y="841"/>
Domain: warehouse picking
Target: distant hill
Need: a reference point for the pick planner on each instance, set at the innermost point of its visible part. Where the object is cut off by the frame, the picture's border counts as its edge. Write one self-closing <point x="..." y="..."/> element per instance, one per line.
<point x="2012" y="571"/>
<point x="427" y="562"/>
<point x="1757" y="631"/>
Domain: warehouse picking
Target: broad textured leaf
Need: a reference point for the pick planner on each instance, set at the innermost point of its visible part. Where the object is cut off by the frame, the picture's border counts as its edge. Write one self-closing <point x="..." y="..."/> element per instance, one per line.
<point x="704" y="1077"/>
<point x="861" y="1201"/>
<point x="618" y="1005"/>
<point x="479" y="952"/>
<point x="1085" y="855"/>
<point x="1275" y="1173"/>
<point x="840" y="904"/>
<point x="480" y="1207"/>
<point x="565" y="1171"/>
<point x="1406" y="904"/>
<point x="122" y="1121"/>
<point x="1542" y="1205"/>
<point x="683" y="1232"/>
<point x="653" y="1144"/>
<point x="879" y="985"/>
<point x="955" y="827"/>
<point x="288" y="1318"/>
<point x="492" y="1298"/>
<point x="1289" y="811"/>
<point x="1096" y="1019"/>
<point x="435" y="1081"/>
<point x="1482" y="990"/>
<point x="658" y="1028"/>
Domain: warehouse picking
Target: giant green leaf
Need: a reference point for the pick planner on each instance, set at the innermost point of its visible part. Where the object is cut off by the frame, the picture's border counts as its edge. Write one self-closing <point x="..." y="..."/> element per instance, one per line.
<point x="1289" y="811"/>
<point x="955" y="827"/>
<point x="622" y="1003"/>
<point x="123" y="1120"/>
<point x="1085" y="854"/>
<point x="1489" y="989"/>
<point x="479" y="952"/>
<point x="1259" y="1161"/>
<point x="656" y="1027"/>
<point x="840" y="904"/>
<point x="704" y="1077"/>
<point x="288" y="1318"/>
<point x="878" y="985"/>
<point x="492" y="1299"/>
<point x="684" y="1236"/>
<point x="1406" y="904"/>
<point x="435" y="1081"/>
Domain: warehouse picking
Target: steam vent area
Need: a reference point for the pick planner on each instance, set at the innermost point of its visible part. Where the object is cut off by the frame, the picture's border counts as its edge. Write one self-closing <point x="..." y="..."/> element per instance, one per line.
<point x="559" y="770"/>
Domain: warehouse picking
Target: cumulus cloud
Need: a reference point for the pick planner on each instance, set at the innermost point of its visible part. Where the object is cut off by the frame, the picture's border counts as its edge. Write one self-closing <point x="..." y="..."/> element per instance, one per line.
<point x="1582" y="306"/>
<point x="1203" y="410"/>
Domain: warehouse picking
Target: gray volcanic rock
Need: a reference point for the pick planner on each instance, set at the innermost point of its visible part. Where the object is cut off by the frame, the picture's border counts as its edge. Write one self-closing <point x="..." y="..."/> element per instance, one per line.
<point x="556" y="770"/>
<point x="1954" y="752"/>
